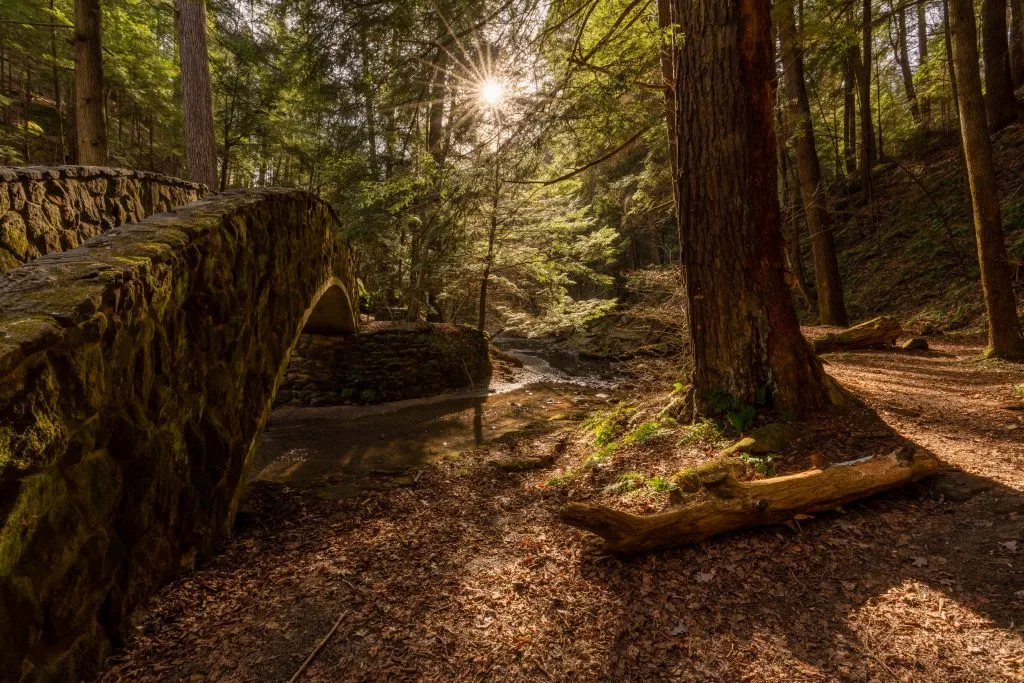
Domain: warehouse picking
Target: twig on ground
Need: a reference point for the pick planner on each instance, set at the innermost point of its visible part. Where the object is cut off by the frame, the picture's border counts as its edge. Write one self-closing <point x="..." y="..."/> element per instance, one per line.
<point x="317" y="649"/>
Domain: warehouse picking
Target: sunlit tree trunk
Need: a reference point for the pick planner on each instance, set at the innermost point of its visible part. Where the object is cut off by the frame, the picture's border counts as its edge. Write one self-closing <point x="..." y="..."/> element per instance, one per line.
<point x="90" y="126"/>
<point x="1004" y="332"/>
<point x="831" y="307"/>
<point x="744" y="331"/>
<point x="1000" y="102"/>
<point x="196" y="95"/>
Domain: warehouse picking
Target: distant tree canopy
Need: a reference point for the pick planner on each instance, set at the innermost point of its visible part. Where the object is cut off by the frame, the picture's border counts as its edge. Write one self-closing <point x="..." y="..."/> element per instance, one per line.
<point x="544" y="194"/>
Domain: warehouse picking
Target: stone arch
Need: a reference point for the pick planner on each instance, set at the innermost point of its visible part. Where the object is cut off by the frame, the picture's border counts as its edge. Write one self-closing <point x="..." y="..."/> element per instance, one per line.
<point x="332" y="312"/>
<point x="136" y="372"/>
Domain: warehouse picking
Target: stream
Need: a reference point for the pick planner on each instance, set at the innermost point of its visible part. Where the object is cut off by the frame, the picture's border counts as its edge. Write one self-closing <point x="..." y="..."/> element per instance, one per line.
<point x="347" y="447"/>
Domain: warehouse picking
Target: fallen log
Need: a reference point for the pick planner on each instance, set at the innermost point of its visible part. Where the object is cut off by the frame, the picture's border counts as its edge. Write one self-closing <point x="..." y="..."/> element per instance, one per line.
<point x="740" y="505"/>
<point x="881" y="331"/>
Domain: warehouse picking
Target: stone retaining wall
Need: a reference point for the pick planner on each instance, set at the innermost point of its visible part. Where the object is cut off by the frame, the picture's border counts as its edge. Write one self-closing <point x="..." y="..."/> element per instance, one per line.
<point x="388" y="363"/>
<point x="136" y="372"/>
<point x="44" y="210"/>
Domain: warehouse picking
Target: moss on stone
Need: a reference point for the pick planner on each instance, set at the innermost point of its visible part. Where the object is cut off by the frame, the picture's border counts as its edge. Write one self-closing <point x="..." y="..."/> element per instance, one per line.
<point x="711" y="472"/>
<point x="770" y="438"/>
<point x="37" y="495"/>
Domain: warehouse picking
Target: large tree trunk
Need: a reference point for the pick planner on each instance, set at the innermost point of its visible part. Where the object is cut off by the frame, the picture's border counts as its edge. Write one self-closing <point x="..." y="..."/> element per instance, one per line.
<point x="1000" y="103"/>
<point x="744" y="331"/>
<point x="1004" y="334"/>
<point x="903" y="57"/>
<point x="1017" y="42"/>
<point x="90" y="126"/>
<point x="867" y="136"/>
<point x="739" y="505"/>
<point x="196" y="95"/>
<point x="831" y="307"/>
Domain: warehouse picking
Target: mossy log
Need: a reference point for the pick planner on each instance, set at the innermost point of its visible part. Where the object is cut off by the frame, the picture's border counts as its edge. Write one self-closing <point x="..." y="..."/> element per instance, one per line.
<point x="881" y="331"/>
<point x="740" y="505"/>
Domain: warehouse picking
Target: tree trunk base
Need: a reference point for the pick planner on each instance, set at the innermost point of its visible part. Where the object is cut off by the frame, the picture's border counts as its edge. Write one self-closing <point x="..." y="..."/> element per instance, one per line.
<point x="740" y="505"/>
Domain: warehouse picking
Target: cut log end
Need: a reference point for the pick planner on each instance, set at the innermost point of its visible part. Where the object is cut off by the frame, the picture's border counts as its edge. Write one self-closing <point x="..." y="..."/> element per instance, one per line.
<point x="755" y="503"/>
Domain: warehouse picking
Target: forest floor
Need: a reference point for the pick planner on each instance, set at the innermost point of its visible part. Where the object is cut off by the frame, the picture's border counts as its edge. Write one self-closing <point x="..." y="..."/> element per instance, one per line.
<point x="466" y="574"/>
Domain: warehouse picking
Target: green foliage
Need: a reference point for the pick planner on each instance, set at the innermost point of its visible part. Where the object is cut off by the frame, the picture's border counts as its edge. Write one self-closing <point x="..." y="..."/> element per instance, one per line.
<point x="704" y="431"/>
<point x="607" y="426"/>
<point x="1018" y="390"/>
<point x="762" y="464"/>
<point x="561" y="479"/>
<point x="649" y="431"/>
<point x="600" y="456"/>
<point x="630" y="481"/>
<point x="740" y="415"/>
<point x="661" y="484"/>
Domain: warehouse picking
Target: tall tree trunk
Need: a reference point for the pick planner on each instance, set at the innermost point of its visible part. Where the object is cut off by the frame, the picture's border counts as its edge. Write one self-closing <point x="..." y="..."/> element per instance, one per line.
<point x="1000" y="102"/>
<point x="850" y="109"/>
<point x="1017" y="42"/>
<point x="196" y="95"/>
<point x="790" y="222"/>
<point x="744" y="331"/>
<point x="1004" y="332"/>
<point x="90" y="126"/>
<point x="58" y="101"/>
<point x="667" y="58"/>
<point x="903" y="57"/>
<point x="831" y="307"/>
<point x="436" y="147"/>
<point x="26" y="102"/>
<point x="878" y="106"/>
<point x="922" y="56"/>
<point x="867" y="136"/>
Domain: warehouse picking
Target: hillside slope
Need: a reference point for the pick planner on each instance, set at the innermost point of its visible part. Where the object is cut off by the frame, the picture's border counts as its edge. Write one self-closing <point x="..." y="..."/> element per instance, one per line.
<point x="912" y="254"/>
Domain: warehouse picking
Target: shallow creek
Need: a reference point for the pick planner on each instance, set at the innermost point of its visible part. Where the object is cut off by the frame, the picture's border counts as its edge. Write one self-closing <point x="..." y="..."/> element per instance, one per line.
<point x="347" y="446"/>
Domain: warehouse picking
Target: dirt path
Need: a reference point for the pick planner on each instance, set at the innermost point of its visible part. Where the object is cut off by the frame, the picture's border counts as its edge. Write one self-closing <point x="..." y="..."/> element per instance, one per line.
<point x="465" y="576"/>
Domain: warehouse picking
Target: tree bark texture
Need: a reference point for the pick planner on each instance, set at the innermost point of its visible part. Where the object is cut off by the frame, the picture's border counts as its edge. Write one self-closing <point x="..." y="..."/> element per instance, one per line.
<point x="1017" y="42"/>
<point x="831" y="307"/>
<point x="744" y="331"/>
<point x="90" y="124"/>
<point x="1004" y="333"/>
<point x="867" y="136"/>
<point x="196" y="94"/>
<point x="1000" y="102"/>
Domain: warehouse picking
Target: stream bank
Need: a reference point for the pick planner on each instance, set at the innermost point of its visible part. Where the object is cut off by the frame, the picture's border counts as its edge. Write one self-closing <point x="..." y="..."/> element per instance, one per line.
<point x="340" y="450"/>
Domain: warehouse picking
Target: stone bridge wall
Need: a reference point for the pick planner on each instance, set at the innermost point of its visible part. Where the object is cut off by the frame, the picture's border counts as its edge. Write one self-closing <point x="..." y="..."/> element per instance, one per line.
<point x="44" y="210"/>
<point x="386" y="363"/>
<point x="136" y="372"/>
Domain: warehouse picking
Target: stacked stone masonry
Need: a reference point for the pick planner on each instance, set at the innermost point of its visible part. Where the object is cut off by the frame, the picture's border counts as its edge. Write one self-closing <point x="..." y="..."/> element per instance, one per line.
<point x="136" y="372"/>
<point x="386" y="363"/>
<point x="45" y="210"/>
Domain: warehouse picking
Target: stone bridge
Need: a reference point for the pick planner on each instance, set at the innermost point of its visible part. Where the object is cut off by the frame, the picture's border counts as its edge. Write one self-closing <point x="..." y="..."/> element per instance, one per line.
<point x="136" y="372"/>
